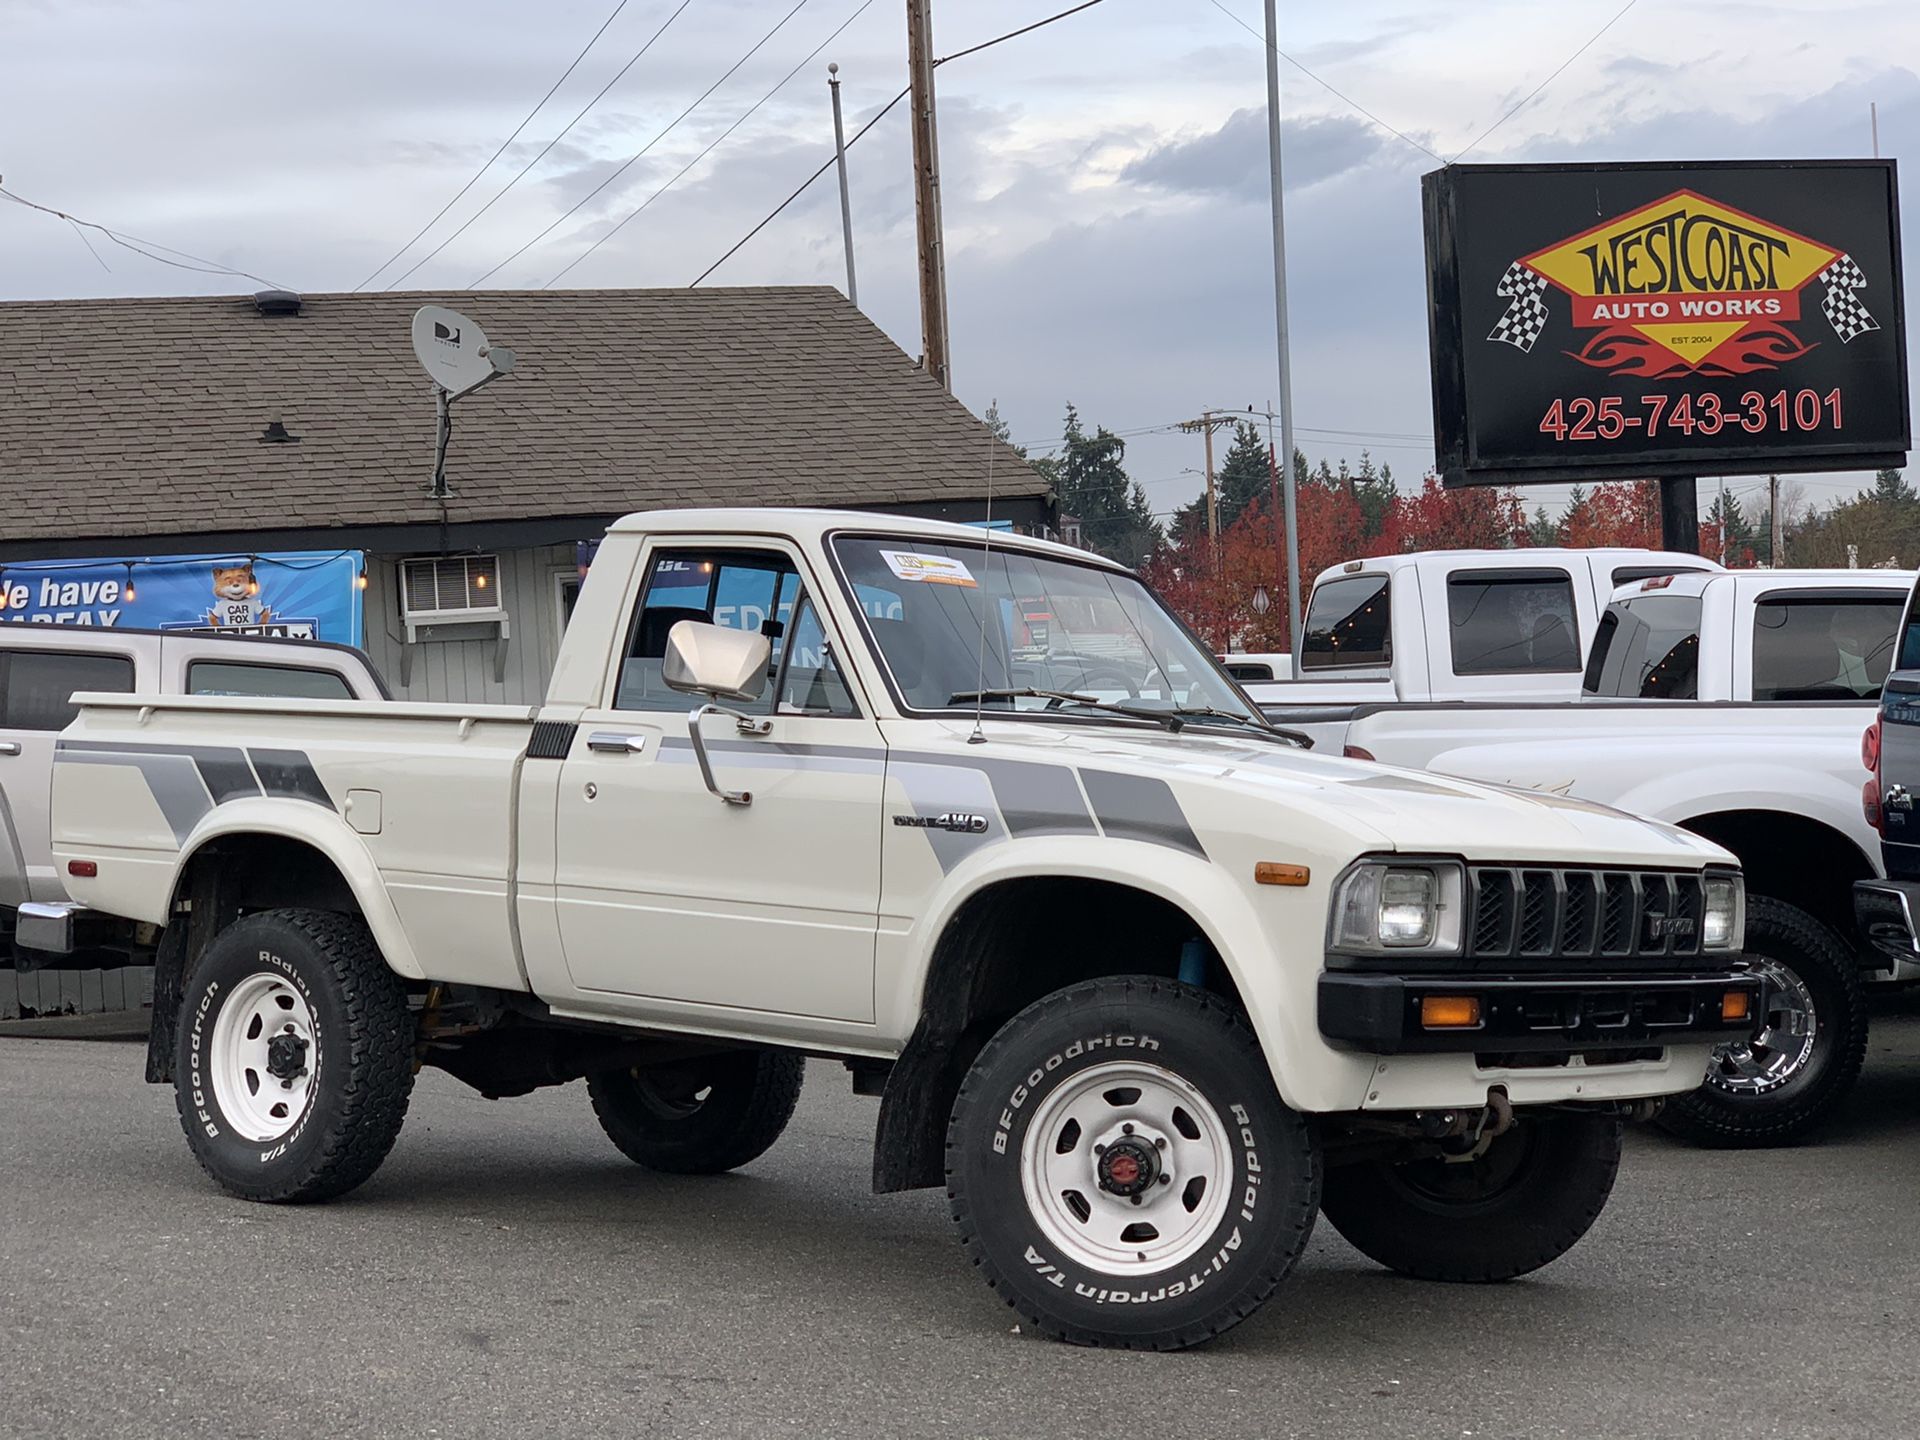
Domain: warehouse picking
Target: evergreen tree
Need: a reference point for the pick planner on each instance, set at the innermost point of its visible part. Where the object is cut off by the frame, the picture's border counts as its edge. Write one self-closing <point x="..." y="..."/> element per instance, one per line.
<point x="1244" y="479"/>
<point x="1737" y="539"/>
<point x="1543" y="529"/>
<point x="1890" y="489"/>
<point x="1093" y="486"/>
<point x="1002" y="431"/>
<point x="1374" y="490"/>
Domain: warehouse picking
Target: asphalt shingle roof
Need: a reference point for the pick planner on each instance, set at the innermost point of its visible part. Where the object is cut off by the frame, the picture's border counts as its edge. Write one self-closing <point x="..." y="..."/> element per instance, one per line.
<point x="135" y="417"/>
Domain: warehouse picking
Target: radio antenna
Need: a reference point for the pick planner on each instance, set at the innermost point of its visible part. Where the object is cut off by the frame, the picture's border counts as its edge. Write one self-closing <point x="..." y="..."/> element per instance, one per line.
<point x="978" y="737"/>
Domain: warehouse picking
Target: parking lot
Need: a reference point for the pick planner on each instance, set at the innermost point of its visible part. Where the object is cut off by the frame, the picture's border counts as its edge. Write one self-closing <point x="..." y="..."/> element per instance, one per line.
<point x="508" y="1273"/>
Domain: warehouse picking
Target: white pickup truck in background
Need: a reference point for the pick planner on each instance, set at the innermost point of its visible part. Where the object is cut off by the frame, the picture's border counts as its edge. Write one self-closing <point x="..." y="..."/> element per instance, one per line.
<point x="1450" y="625"/>
<point x="41" y="666"/>
<point x="1731" y="704"/>
<point x="1144" y="984"/>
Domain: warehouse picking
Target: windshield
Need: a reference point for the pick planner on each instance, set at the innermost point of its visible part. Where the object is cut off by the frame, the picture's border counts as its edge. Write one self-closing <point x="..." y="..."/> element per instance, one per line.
<point x="953" y="620"/>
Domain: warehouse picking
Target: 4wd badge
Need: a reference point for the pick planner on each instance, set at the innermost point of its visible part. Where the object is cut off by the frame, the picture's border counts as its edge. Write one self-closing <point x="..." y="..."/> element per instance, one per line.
<point x="1684" y="285"/>
<point x="953" y="820"/>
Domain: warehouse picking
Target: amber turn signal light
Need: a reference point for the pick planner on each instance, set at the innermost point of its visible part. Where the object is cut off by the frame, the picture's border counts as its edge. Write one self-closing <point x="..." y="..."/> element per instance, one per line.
<point x="1449" y="1012"/>
<point x="1272" y="872"/>
<point x="1733" y="1005"/>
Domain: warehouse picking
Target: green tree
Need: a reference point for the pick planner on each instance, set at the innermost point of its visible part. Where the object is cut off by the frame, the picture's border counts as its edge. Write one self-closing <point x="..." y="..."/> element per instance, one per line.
<point x="1244" y="478"/>
<point x="1737" y="539"/>
<point x="1002" y="431"/>
<point x="1543" y="529"/>
<point x="1373" y="488"/>
<point x="1890" y="489"/>
<point x="1092" y="485"/>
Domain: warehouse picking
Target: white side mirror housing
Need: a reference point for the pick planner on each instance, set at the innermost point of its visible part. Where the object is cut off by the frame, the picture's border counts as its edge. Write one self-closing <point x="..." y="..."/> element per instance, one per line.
<point x="714" y="661"/>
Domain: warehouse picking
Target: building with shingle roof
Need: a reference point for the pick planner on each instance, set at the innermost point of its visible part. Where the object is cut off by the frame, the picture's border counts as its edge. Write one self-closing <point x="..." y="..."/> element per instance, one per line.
<point x="148" y="427"/>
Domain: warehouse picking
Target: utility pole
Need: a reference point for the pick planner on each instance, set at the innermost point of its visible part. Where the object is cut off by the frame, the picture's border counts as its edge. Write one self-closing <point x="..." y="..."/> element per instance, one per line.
<point x="1294" y="618"/>
<point x="1775" y="534"/>
<point x="926" y="193"/>
<point x="1206" y="425"/>
<point x="840" y="159"/>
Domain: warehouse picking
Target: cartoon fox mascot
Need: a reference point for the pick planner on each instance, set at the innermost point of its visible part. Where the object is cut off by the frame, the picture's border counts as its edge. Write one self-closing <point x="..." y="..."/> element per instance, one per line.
<point x="235" y="603"/>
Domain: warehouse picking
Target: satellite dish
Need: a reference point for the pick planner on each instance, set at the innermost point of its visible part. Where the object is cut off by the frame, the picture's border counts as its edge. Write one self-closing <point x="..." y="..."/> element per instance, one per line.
<point x="454" y="350"/>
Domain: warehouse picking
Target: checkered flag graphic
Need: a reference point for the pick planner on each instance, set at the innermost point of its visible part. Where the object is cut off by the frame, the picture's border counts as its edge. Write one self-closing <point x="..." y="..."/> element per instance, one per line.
<point x="1526" y="317"/>
<point x="1844" y="312"/>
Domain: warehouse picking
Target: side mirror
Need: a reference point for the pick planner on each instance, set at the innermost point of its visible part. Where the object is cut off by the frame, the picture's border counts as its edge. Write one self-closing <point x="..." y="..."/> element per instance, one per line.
<point x="714" y="661"/>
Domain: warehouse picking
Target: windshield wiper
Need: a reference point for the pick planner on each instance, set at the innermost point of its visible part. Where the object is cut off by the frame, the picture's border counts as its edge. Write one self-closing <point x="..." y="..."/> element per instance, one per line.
<point x="1174" y="717"/>
<point x="1209" y="712"/>
<point x="1054" y="698"/>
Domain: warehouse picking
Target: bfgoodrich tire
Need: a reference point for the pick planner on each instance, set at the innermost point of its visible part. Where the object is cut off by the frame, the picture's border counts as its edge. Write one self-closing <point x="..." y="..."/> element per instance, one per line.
<point x="1523" y="1203"/>
<point x="294" y="1056"/>
<point x="700" y="1117"/>
<point x="1122" y="1171"/>
<point x="1777" y="1087"/>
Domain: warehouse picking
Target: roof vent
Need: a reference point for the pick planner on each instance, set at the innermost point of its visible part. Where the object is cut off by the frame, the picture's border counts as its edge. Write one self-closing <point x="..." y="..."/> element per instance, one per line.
<point x="277" y="302"/>
<point x="276" y="433"/>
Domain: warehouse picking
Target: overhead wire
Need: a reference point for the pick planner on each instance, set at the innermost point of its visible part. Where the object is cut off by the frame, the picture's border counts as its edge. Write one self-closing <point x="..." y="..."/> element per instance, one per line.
<point x="126" y="240"/>
<point x="713" y="144"/>
<point x="475" y="178"/>
<point x="1546" y="82"/>
<point x="628" y="163"/>
<point x="803" y="186"/>
<point x="633" y="60"/>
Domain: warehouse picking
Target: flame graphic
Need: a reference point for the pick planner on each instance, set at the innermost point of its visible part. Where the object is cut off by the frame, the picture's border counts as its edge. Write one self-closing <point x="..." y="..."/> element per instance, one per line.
<point x="1623" y="350"/>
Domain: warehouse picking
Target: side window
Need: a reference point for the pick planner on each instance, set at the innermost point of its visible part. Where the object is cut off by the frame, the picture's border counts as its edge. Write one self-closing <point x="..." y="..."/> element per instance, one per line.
<point x="1517" y="622"/>
<point x="1348" y="625"/>
<point x="1909" y="658"/>
<point x="812" y="683"/>
<point x="751" y="590"/>
<point x="1647" y="648"/>
<point x="227" y="677"/>
<point x="37" y="686"/>
<point x="1823" y="647"/>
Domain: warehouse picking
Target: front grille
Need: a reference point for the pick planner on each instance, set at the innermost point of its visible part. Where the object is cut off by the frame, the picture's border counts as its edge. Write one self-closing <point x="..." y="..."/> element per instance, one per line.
<point x="1612" y="918"/>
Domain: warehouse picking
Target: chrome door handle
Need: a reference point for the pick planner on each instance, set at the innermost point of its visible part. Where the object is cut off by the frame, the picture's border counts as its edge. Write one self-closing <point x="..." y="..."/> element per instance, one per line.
<point x="613" y="742"/>
<point x="9" y="747"/>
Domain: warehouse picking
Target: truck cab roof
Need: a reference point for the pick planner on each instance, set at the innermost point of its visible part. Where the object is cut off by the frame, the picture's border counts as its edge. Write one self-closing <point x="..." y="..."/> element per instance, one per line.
<point x="811" y="525"/>
<point x="1527" y="558"/>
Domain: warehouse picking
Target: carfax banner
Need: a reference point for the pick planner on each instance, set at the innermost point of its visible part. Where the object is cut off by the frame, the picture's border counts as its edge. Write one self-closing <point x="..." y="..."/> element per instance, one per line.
<point x="307" y="595"/>
<point x="1690" y="319"/>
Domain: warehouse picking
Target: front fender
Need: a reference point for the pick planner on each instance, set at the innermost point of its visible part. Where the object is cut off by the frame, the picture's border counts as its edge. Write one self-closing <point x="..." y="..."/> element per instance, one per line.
<point x="327" y="832"/>
<point x="1270" y="944"/>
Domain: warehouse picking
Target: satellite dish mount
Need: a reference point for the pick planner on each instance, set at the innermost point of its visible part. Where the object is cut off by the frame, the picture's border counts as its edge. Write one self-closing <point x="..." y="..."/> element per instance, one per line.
<point x="456" y="355"/>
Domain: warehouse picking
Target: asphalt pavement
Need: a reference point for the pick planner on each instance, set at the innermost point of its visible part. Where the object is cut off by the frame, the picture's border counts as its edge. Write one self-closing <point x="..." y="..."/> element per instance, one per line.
<point x="508" y="1274"/>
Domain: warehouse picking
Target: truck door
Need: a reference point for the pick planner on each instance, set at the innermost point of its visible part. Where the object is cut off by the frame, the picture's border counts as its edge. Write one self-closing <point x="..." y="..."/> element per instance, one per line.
<point x="664" y="890"/>
<point x="1899" y="778"/>
<point x="36" y="689"/>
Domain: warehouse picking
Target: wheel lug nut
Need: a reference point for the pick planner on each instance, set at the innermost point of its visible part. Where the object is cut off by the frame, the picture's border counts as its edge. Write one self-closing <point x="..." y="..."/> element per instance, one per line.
<point x="1159" y="1142"/>
<point x="1126" y="1129"/>
<point x="1136" y="1199"/>
<point x="1099" y="1149"/>
<point x="1166" y="1179"/>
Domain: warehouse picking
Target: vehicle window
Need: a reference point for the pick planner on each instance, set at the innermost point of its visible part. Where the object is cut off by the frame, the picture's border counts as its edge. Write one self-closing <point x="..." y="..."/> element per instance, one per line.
<point x="1247" y="671"/>
<point x="1518" y="622"/>
<point x="749" y="590"/>
<point x="37" y="686"/>
<point x="228" y="677"/>
<point x="1910" y="635"/>
<point x="1348" y="624"/>
<point x="1823" y="647"/>
<point x="812" y="683"/>
<point x="1647" y="648"/>
<point x="951" y="618"/>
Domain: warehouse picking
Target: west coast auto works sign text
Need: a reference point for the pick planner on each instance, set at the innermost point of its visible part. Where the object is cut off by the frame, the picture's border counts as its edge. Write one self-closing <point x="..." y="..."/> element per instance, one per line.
<point x="1632" y="320"/>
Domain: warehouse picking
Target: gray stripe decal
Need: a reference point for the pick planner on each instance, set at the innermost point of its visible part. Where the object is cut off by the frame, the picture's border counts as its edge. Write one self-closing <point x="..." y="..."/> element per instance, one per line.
<point x="1034" y="797"/>
<point x="224" y="767"/>
<point x="289" y="773"/>
<point x="173" y="778"/>
<point x="1140" y="807"/>
<point x="942" y="789"/>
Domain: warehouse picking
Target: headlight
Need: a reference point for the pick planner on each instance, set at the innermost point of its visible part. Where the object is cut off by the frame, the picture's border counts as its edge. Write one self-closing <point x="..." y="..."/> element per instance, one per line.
<point x="1402" y="907"/>
<point x="1723" y="926"/>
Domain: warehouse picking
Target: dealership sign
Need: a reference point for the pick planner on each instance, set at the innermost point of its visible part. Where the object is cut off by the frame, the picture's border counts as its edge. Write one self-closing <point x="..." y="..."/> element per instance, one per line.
<point x="296" y="595"/>
<point x="1631" y="320"/>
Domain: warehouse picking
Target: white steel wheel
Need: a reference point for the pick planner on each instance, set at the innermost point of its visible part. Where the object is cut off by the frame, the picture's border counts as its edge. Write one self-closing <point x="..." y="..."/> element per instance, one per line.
<point x="1127" y="1169"/>
<point x="265" y="1053"/>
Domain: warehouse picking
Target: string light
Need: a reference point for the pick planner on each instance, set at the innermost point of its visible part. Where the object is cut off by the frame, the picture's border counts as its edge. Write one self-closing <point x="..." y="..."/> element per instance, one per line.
<point x="127" y="592"/>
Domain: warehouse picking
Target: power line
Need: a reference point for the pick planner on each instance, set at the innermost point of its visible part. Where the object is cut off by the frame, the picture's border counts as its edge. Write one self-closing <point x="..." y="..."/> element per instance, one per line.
<point x="129" y="241"/>
<point x="503" y="147"/>
<point x="827" y="165"/>
<point x="566" y="130"/>
<point x="628" y="162"/>
<point x="714" y="143"/>
<point x="1325" y="84"/>
<point x="1548" y="81"/>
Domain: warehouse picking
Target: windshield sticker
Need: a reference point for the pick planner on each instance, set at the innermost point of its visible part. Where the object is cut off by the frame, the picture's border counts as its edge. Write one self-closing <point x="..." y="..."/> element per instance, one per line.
<point x="930" y="569"/>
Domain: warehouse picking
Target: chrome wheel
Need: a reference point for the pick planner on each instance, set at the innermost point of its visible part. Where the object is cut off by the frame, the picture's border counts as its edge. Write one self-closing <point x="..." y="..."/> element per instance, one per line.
<point x="1127" y="1169"/>
<point x="265" y="1053"/>
<point x="1780" y="1049"/>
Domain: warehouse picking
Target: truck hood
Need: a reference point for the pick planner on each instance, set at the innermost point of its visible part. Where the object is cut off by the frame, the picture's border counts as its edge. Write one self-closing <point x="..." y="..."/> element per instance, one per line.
<point x="1254" y="786"/>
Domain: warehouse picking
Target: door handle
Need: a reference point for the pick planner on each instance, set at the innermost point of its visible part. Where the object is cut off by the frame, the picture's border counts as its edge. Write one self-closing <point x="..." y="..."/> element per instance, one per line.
<point x="612" y="742"/>
<point x="9" y="747"/>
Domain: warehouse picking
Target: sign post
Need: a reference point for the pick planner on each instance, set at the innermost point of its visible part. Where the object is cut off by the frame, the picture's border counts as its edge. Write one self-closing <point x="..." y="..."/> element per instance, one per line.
<point x="1665" y="321"/>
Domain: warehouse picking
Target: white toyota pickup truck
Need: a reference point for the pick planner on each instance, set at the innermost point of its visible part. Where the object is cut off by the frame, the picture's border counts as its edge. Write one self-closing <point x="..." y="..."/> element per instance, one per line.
<point x="1508" y="625"/>
<point x="1143" y="983"/>
<point x="1731" y="704"/>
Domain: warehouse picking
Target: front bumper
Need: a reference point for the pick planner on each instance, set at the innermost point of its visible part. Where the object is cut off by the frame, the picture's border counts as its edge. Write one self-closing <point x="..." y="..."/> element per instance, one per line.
<point x="1884" y="910"/>
<point x="1537" y="1014"/>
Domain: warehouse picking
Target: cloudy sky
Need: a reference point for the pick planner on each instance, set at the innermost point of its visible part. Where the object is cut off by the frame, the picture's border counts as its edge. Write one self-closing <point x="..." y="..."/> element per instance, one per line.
<point x="1105" y="177"/>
